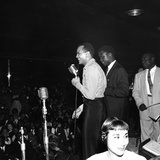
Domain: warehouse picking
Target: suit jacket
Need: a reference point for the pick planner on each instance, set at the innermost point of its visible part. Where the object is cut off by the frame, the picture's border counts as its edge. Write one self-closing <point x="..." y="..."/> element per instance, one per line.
<point x="117" y="91"/>
<point x="140" y="94"/>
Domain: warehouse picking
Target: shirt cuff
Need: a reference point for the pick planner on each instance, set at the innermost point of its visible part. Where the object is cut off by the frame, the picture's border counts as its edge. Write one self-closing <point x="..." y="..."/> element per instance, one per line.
<point x="78" y="86"/>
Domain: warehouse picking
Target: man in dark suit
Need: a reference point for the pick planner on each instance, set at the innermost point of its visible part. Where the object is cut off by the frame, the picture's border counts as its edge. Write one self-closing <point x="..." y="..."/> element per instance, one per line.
<point x="117" y="90"/>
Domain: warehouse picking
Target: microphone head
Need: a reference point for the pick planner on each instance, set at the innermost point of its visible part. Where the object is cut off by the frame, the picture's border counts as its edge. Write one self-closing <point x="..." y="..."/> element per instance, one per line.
<point x="43" y="93"/>
<point x="73" y="69"/>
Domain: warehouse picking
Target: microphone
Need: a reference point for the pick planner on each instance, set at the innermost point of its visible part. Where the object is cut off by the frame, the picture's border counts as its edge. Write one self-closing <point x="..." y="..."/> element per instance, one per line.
<point x="73" y="69"/>
<point x="43" y="93"/>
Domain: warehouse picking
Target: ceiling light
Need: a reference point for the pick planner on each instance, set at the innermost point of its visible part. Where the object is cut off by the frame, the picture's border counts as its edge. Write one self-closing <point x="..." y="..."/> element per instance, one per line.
<point x="134" y="12"/>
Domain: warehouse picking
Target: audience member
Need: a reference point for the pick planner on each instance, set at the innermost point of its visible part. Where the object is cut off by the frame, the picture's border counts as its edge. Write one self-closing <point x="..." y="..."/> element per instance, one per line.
<point x="16" y="103"/>
<point x="10" y="128"/>
<point x="5" y="151"/>
<point x="5" y="135"/>
<point x="54" y="126"/>
<point x="15" y="115"/>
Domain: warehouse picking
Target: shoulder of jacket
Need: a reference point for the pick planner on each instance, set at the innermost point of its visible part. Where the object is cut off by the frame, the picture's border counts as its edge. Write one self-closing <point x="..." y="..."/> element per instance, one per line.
<point x="141" y="72"/>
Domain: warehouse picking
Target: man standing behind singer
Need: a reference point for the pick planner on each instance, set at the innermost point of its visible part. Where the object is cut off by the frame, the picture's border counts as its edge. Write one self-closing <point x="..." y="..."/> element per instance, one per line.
<point x="92" y="88"/>
<point x="145" y="96"/>
<point x="117" y="91"/>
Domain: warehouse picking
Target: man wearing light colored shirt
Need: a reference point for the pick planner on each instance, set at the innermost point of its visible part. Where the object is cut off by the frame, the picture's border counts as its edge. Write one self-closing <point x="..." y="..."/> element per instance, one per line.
<point x="92" y="88"/>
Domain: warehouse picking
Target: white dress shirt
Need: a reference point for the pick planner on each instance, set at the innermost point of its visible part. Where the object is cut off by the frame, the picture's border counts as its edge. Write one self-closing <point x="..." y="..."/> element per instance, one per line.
<point x="152" y="73"/>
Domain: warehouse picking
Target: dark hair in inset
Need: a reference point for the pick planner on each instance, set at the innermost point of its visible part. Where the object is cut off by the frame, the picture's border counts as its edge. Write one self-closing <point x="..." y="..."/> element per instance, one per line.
<point x="112" y="123"/>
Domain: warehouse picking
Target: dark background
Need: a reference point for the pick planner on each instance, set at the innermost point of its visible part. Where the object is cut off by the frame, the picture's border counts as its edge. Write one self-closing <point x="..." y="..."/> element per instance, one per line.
<point x="40" y="37"/>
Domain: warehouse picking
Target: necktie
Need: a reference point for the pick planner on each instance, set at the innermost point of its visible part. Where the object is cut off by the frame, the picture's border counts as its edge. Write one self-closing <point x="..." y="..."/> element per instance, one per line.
<point x="150" y="81"/>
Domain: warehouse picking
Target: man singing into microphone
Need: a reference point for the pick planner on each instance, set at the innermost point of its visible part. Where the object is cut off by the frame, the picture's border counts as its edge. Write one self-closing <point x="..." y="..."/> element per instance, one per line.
<point x="92" y="88"/>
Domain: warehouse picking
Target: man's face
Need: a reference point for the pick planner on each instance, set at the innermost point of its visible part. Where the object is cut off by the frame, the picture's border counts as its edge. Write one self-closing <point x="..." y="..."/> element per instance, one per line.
<point x="104" y="58"/>
<point x="117" y="141"/>
<point x="10" y="127"/>
<point x="81" y="55"/>
<point x="147" y="62"/>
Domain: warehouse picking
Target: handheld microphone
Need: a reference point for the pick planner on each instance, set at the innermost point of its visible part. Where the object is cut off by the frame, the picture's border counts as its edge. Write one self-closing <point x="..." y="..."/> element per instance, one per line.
<point x="43" y="93"/>
<point x="73" y="70"/>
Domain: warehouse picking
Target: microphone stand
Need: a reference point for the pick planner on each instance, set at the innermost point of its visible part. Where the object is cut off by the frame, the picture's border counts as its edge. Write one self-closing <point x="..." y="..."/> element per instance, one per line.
<point x="22" y="144"/>
<point x="74" y="71"/>
<point x="75" y="121"/>
<point x="45" y="130"/>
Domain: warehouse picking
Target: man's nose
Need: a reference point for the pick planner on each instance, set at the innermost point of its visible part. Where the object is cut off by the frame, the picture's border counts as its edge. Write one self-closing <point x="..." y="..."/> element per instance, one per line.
<point x="77" y="56"/>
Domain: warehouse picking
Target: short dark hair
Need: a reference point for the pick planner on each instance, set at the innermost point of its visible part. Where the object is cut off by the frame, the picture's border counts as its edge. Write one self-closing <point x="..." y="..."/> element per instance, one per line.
<point x="88" y="47"/>
<point x="150" y="55"/>
<point x="112" y="123"/>
<point x="107" y="49"/>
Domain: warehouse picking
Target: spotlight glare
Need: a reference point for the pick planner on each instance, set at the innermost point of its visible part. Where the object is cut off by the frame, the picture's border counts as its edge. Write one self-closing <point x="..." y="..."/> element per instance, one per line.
<point x="134" y="12"/>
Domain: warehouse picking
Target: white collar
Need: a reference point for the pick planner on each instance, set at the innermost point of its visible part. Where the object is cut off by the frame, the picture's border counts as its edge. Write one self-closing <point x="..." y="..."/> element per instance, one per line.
<point x="111" y="65"/>
<point x="153" y="69"/>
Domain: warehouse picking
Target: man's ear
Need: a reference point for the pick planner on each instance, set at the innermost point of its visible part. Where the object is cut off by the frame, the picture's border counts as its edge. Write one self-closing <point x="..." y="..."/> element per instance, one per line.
<point x="153" y="59"/>
<point x="88" y="54"/>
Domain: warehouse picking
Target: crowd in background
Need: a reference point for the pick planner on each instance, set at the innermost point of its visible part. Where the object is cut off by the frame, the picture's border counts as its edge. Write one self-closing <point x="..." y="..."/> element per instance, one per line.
<point x="21" y="110"/>
<point x="20" y="106"/>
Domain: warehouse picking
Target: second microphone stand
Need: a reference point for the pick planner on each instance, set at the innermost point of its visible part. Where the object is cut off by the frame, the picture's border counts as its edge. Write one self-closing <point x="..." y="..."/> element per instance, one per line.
<point x="44" y="110"/>
<point x="22" y="144"/>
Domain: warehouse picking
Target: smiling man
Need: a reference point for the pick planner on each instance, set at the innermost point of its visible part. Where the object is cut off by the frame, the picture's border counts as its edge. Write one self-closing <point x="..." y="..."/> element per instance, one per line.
<point x="117" y="90"/>
<point x="92" y="89"/>
<point x="146" y="92"/>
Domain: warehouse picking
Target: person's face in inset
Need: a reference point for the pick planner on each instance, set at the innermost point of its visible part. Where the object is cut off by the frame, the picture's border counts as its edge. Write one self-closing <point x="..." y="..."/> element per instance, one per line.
<point x="81" y="55"/>
<point x="104" y="58"/>
<point x="117" y="141"/>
